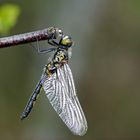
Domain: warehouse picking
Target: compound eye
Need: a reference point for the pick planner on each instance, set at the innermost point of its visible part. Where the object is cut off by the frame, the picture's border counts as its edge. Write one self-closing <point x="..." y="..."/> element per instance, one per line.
<point x="67" y="41"/>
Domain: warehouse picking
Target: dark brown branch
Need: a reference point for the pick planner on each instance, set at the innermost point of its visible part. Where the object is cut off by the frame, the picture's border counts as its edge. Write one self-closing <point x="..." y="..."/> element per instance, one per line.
<point x="44" y="34"/>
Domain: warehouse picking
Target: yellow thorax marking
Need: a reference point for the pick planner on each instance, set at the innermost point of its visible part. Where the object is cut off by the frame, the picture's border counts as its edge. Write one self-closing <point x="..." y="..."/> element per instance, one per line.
<point x="48" y="69"/>
<point x="60" y="56"/>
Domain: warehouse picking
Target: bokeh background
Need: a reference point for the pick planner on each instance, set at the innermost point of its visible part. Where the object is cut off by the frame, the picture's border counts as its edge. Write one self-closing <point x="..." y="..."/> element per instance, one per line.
<point x="105" y="65"/>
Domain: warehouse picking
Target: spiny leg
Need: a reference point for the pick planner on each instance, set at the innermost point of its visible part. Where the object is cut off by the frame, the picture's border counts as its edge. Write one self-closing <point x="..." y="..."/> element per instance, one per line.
<point x="42" y="51"/>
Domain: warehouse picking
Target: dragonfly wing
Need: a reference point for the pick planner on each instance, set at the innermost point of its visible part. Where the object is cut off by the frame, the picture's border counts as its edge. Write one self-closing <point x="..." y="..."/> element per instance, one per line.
<point x="79" y="114"/>
<point x="60" y="90"/>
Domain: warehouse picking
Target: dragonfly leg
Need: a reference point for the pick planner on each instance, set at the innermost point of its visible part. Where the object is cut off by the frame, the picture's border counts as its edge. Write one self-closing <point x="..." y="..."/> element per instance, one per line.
<point x="42" y="51"/>
<point x="46" y="50"/>
<point x="52" y="42"/>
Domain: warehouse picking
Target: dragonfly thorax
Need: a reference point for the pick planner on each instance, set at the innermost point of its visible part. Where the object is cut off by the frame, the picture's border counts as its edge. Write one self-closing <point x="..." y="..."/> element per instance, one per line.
<point x="60" y="56"/>
<point x="59" y="59"/>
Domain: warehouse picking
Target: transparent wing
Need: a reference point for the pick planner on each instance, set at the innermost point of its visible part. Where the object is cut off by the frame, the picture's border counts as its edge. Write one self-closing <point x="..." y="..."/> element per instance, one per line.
<point x="60" y="91"/>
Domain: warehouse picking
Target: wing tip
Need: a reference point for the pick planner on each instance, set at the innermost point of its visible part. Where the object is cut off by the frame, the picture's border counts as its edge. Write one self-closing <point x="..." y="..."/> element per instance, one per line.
<point x="81" y="131"/>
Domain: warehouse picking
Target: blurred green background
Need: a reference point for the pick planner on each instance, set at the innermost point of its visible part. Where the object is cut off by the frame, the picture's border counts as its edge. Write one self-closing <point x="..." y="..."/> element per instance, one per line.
<point x="105" y="65"/>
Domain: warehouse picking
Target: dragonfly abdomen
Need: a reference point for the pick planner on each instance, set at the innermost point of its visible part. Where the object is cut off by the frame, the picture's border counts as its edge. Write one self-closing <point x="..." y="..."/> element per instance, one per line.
<point x="31" y="101"/>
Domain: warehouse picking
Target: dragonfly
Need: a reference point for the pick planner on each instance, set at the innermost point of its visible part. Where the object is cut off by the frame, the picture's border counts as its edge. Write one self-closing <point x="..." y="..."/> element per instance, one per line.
<point x="58" y="84"/>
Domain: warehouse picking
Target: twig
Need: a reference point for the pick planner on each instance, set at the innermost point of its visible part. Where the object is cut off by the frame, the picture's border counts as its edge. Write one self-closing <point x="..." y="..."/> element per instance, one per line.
<point x="44" y="34"/>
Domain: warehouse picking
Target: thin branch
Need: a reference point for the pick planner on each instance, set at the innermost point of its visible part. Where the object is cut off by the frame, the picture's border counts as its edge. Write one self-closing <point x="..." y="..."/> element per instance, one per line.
<point x="44" y="34"/>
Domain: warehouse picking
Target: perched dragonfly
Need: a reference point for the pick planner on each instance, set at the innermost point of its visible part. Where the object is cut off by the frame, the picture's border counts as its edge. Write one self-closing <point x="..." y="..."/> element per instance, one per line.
<point x="58" y="84"/>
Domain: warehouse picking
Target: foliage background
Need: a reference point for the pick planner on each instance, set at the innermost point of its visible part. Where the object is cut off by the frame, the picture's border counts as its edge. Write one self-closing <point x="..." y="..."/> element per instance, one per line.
<point x="105" y="65"/>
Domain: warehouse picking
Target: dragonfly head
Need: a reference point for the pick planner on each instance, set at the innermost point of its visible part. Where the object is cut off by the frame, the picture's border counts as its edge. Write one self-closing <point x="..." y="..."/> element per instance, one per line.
<point x="66" y="41"/>
<point x="61" y="40"/>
